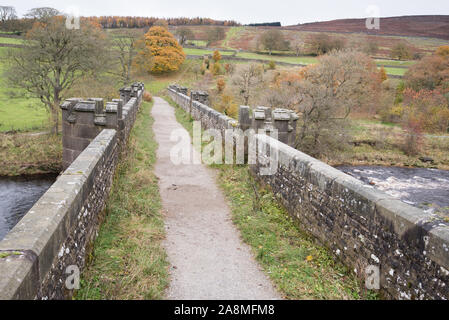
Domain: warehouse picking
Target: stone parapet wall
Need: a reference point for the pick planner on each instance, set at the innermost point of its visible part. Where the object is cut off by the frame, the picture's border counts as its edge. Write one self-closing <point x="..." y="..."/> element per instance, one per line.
<point x="82" y="120"/>
<point x="51" y="242"/>
<point x="363" y="227"/>
<point x="210" y="118"/>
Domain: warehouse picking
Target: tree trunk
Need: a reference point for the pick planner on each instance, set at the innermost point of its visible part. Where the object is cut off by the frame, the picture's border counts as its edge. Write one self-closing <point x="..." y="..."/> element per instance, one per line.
<point x="54" y="118"/>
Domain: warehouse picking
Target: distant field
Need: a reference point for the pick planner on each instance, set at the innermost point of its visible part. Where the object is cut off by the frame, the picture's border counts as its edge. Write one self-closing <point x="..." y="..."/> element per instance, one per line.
<point x="382" y="62"/>
<point x="302" y="60"/>
<point x="396" y="71"/>
<point x="8" y="40"/>
<point x="295" y="60"/>
<point x="198" y="43"/>
<point x="17" y="111"/>
<point x="200" y="52"/>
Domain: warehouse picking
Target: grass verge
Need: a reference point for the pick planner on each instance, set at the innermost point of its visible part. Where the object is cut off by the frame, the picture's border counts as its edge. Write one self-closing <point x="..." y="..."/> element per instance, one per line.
<point x="128" y="261"/>
<point x="25" y="154"/>
<point x="300" y="268"/>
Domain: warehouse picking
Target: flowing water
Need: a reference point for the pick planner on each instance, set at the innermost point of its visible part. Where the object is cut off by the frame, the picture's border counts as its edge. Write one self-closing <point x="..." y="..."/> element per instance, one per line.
<point x="17" y="196"/>
<point x="424" y="188"/>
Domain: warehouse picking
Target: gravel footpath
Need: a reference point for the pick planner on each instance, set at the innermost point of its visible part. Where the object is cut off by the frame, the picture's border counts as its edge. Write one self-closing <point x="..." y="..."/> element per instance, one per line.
<point x="208" y="259"/>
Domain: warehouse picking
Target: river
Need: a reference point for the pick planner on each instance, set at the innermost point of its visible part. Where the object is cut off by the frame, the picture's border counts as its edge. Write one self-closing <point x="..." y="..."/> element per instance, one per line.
<point x="17" y="196"/>
<point x="421" y="187"/>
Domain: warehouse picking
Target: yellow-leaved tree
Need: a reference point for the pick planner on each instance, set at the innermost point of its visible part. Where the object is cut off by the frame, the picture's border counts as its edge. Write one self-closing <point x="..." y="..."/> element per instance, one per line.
<point x="167" y="54"/>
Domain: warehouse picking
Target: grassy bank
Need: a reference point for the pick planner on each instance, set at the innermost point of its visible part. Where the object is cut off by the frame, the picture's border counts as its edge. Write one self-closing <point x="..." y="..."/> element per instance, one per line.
<point x="382" y="144"/>
<point x="299" y="267"/>
<point x="25" y="154"/>
<point x="128" y="261"/>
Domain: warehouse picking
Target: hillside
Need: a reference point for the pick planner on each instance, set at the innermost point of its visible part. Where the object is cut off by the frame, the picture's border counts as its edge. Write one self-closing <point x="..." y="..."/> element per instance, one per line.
<point x="421" y="26"/>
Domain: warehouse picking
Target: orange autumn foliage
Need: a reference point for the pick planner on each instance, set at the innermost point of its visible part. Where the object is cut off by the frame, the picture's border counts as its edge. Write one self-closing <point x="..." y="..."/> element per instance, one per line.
<point x="167" y="54"/>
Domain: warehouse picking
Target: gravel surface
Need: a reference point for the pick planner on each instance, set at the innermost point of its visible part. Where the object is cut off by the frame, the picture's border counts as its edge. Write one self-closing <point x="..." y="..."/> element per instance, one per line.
<point x="207" y="256"/>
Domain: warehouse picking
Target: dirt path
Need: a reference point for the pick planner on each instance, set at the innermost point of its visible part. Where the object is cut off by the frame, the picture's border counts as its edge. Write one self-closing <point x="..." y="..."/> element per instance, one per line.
<point x="208" y="259"/>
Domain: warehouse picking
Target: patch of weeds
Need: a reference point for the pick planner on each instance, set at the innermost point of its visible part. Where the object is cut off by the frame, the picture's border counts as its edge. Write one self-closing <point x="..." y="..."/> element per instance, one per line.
<point x="9" y="253"/>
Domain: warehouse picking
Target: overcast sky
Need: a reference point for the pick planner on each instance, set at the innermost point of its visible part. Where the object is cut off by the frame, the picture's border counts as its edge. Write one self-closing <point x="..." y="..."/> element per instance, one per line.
<point x="286" y="11"/>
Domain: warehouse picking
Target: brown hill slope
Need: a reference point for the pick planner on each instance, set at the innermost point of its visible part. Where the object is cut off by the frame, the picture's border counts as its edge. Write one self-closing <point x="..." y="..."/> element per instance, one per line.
<point x="422" y="26"/>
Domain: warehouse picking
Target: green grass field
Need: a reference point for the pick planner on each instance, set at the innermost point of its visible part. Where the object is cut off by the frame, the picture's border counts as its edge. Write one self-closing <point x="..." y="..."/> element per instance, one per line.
<point x="200" y="52"/>
<point x="18" y="111"/>
<point x="8" y="40"/>
<point x="198" y="43"/>
<point x="382" y="62"/>
<point x="395" y="71"/>
<point x="302" y="59"/>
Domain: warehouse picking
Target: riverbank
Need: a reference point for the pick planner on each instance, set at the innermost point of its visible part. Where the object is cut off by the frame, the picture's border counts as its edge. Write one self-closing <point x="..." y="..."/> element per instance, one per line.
<point x="27" y="155"/>
<point x="374" y="143"/>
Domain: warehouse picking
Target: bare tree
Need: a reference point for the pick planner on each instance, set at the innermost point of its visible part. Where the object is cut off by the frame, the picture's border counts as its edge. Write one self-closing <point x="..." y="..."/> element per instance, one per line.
<point x="297" y="45"/>
<point x="8" y="16"/>
<point x="215" y="34"/>
<point x="42" y="13"/>
<point x="184" y="34"/>
<point x="324" y="95"/>
<point x="247" y="79"/>
<point x="124" y="44"/>
<point x="273" y="40"/>
<point x="54" y="59"/>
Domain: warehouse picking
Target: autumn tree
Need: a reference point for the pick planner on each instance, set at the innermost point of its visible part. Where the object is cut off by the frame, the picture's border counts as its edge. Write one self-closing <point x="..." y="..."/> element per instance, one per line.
<point x="53" y="59"/>
<point x="184" y="34"/>
<point x="273" y="39"/>
<point x="401" y="52"/>
<point x="215" y="34"/>
<point x="246" y="79"/>
<point x="166" y="52"/>
<point x="431" y="72"/>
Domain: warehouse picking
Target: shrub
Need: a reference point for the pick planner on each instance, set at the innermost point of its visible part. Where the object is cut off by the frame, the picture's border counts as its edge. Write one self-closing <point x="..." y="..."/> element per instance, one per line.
<point x="383" y="74"/>
<point x="216" y="56"/>
<point x="228" y="106"/>
<point x="221" y="84"/>
<point x="272" y="65"/>
<point x="443" y="51"/>
<point x="230" y="68"/>
<point x="147" y="96"/>
<point x="430" y="106"/>
<point x="216" y="69"/>
<point x="413" y="140"/>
